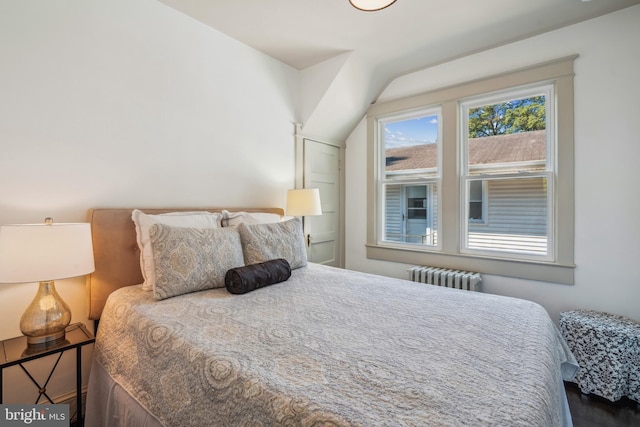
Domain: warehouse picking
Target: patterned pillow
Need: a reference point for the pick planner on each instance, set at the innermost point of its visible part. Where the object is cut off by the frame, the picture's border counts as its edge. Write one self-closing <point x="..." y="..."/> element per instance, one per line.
<point x="192" y="259"/>
<point x="143" y="223"/>
<point x="264" y="242"/>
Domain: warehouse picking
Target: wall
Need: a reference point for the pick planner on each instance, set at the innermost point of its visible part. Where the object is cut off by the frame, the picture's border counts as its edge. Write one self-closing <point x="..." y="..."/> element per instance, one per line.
<point x="607" y="148"/>
<point x="127" y="103"/>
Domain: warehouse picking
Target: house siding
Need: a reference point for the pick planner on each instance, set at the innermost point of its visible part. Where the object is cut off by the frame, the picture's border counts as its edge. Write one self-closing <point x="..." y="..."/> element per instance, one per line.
<point x="393" y="210"/>
<point x="516" y="218"/>
<point x="515" y="205"/>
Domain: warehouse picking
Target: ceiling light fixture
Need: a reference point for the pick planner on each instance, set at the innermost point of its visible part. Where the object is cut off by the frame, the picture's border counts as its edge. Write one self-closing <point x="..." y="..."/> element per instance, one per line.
<point x="371" y="5"/>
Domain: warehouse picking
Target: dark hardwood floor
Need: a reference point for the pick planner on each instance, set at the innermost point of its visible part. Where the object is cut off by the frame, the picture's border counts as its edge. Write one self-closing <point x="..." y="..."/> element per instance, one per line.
<point x="595" y="411"/>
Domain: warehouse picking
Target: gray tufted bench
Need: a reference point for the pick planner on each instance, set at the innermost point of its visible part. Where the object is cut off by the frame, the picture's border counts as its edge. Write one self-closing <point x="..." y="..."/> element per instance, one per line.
<point x="607" y="348"/>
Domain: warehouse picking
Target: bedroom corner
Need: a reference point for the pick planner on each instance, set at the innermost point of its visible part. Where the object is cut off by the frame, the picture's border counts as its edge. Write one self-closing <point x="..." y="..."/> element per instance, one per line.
<point x="149" y="109"/>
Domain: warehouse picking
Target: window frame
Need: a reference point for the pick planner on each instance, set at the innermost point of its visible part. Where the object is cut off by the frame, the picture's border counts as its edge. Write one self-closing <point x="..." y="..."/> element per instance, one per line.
<point x="484" y="219"/>
<point x="386" y="178"/>
<point x="549" y="173"/>
<point x="448" y="254"/>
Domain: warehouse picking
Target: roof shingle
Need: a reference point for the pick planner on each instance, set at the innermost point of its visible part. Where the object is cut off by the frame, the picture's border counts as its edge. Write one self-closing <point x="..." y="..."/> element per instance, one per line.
<point x="515" y="147"/>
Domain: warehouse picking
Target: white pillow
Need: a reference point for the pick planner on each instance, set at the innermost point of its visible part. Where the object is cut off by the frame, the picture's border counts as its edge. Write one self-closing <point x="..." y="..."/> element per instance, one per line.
<point x="230" y="219"/>
<point x="143" y="223"/>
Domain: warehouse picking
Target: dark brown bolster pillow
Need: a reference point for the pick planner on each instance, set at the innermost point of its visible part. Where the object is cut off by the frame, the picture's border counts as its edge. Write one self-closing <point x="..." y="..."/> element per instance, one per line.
<point x="241" y="280"/>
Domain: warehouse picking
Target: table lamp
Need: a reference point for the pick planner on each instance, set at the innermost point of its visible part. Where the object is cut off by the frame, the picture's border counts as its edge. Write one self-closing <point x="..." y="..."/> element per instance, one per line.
<point x="303" y="202"/>
<point x="43" y="253"/>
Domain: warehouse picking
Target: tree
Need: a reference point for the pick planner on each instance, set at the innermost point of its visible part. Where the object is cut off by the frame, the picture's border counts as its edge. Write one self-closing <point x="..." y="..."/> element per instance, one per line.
<point x="519" y="115"/>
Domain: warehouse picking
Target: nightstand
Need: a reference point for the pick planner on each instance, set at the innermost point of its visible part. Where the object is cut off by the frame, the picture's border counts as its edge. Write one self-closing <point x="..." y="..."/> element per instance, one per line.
<point x="14" y="351"/>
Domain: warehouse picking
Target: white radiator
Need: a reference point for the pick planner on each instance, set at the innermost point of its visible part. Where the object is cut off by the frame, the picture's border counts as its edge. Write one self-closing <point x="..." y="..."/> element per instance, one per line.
<point x="448" y="278"/>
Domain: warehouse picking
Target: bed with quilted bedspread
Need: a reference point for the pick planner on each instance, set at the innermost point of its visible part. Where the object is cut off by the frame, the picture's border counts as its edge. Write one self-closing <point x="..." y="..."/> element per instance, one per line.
<point x="327" y="347"/>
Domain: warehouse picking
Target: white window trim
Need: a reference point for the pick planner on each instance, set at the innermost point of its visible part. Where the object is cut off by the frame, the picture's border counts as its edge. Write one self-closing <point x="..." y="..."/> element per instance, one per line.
<point x="448" y="253"/>
<point x="548" y="173"/>
<point x="418" y="177"/>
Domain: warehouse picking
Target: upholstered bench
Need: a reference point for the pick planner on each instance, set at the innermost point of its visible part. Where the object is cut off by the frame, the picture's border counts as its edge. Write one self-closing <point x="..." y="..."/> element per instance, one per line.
<point x="607" y="348"/>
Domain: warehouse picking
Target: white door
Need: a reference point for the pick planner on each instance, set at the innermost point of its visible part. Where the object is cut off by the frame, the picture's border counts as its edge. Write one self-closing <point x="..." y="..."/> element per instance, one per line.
<point x="322" y="171"/>
<point x="417" y="214"/>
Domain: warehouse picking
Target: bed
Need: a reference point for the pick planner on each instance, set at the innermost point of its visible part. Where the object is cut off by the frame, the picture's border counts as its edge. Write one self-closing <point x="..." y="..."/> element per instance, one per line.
<point x="326" y="347"/>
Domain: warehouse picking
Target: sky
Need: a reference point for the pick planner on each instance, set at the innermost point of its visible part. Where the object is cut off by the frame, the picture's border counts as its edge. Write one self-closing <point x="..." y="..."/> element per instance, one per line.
<point x="421" y="130"/>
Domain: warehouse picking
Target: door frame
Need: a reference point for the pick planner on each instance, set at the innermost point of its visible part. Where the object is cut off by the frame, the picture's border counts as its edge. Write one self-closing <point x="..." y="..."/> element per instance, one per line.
<point x="299" y="181"/>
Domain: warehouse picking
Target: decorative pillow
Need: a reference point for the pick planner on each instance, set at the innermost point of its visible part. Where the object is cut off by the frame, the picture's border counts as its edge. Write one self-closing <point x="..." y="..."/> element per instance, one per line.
<point x="143" y="223"/>
<point x="230" y="219"/>
<point x="241" y="280"/>
<point x="263" y="242"/>
<point x="192" y="259"/>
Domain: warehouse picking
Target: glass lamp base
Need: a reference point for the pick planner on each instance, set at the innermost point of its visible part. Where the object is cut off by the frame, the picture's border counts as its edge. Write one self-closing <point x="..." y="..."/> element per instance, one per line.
<point x="46" y="338"/>
<point x="47" y="316"/>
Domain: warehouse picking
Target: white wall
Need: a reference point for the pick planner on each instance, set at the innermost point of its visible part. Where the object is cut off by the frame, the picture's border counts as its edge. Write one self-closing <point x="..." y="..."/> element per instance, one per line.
<point x="126" y="103"/>
<point x="607" y="108"/>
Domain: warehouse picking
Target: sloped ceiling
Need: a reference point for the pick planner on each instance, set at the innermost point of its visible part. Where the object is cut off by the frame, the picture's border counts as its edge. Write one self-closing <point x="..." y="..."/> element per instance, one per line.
<point x="373" y="48"/>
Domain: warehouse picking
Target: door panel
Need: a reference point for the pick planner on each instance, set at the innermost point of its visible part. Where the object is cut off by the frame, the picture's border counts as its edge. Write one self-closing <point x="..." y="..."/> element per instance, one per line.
<point x="322" y="171"/>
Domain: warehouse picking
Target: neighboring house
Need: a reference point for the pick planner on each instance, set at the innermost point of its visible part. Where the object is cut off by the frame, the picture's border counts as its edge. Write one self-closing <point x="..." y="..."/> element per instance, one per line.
<point x="507" y="214"/>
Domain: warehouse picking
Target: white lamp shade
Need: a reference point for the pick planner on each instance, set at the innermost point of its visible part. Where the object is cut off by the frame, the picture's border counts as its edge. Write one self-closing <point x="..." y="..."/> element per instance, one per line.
<point x="371" y="5"/>
<point x="304" y="202"/>
<point x="42" y="252"/>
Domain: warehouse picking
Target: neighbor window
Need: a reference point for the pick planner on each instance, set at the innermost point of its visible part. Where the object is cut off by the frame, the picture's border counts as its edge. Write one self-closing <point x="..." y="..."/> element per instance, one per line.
<point x="477" y="176"/>
<point x="477" y="202"/>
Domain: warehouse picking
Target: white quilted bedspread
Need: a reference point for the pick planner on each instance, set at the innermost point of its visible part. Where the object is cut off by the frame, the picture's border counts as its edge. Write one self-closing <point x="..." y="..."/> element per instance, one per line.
<point x="331" y="347"/>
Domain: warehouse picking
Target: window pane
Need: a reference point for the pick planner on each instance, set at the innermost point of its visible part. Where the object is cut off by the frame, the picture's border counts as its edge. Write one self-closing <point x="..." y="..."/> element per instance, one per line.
<point x="507" y="137"/>
<point x="411" y="213"/>
<point x="475" y="211"/>
<point x="517" y="217"/>
<point x="476" y="200"/>
<point x="410" y="147"/>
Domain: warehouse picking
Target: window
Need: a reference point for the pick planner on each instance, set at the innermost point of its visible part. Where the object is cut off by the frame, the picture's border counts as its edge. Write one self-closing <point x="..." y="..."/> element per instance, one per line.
<point x="478" y="176"/>
<point x="410" y="175"/>
<point x="477" y="202"/>
<point x="507" y="144"/>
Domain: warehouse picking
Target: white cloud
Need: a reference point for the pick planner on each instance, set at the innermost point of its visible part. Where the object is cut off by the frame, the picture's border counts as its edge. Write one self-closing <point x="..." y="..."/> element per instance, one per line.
<point x="395" y="141"/>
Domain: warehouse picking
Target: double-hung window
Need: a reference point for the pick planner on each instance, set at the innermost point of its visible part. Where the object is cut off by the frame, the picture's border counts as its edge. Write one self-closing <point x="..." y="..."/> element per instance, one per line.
<point x="478" y="176"/>
<point x="410" y="177"/>
<point x="507" y="160"/>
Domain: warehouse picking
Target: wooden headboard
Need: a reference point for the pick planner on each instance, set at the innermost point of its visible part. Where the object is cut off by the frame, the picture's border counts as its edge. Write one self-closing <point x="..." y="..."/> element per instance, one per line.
<point x="116" y="253"/>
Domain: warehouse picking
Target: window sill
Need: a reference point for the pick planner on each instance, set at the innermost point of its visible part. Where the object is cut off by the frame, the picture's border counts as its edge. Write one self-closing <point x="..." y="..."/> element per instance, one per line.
<point x="523" y="269"/>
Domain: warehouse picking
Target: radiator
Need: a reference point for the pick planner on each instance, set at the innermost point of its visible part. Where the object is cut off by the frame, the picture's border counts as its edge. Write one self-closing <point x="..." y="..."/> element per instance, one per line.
<point x="448" y="278"/>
